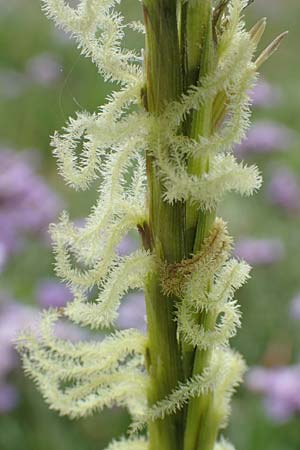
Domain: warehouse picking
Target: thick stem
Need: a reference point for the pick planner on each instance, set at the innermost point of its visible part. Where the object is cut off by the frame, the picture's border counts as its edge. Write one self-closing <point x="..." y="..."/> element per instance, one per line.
<point x="175" y="59"/>
<point x="164" y="84"/>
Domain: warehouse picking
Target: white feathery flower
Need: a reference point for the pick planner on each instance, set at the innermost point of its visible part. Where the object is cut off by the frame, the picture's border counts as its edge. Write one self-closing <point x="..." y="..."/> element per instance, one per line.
<point x="78" y="379"/>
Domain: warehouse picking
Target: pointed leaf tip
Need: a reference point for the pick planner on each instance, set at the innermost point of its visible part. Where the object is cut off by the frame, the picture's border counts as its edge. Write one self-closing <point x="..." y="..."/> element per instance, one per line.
<point x="258" y="30"/>
<point x="270" y="50"/>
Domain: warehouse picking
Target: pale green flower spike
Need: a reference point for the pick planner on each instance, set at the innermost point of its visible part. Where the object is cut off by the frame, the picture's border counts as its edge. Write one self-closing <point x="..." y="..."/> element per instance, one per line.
<point x="163" y="165"/>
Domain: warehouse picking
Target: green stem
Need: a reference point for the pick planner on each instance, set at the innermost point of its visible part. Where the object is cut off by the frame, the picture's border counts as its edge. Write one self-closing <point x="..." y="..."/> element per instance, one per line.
<point x="200" y="432"/>
<point x="164" y="84"/>
<point x="175" y="59"/>
<point x="201" y="59"/>
<point x="199" y="55"/>
<point x="163" y="363"/>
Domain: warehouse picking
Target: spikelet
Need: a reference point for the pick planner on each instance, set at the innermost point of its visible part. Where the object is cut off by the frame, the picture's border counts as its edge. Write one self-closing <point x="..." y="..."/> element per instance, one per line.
<point x="234" y="75"/>
<point x="228" y="275"/>
<point x="189" y="280"/>
<point x="130" y="273"/>
<point x="142" y="444"/>
<point x="222" y="376"/>
<point x="78" y="379"/>
<point x="223" y="445"/>
<point x="201" y="266"/>
<point x="84" y="23"/>
<point x="129" y="444"/>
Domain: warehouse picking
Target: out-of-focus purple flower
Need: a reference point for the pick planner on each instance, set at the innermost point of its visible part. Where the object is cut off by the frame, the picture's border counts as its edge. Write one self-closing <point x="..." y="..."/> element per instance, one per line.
<point x="43" y="69"/>
<point x="27" y="204"/>
<point x="264" y="94"/>
<point x="260" y="251"/>
<point x="295" y="307"/>
<point x="52" y="294"/>
<point x="281" y="388"/>
<point x="8" y="397"/>
<point x="278" y="410"/>
<point x="14" y="317"/>
<point x="284" y="190"/>
<point x="266" y="137"/>
<point x="70" y="332"/>
<point x="132" y="312"/>
<point x="127" y="246"/>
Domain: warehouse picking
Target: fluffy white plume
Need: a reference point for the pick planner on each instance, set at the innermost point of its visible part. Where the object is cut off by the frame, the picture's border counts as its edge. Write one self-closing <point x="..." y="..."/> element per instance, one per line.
<point x="129" y="444"/>
<point x="78" y="379"/>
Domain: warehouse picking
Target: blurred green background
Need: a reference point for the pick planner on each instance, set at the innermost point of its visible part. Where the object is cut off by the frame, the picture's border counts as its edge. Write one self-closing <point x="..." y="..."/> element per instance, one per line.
<point x="35" y="100"/>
